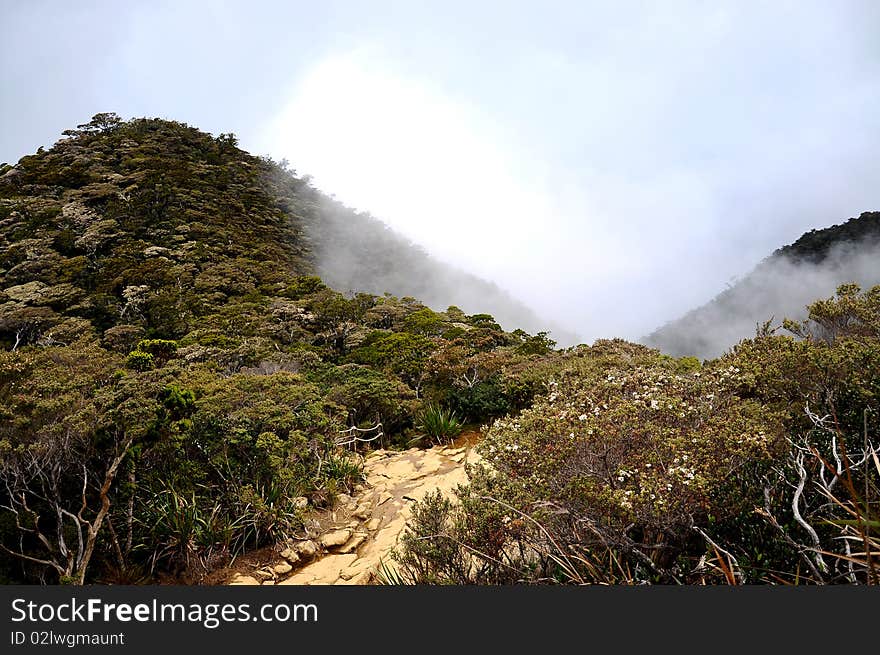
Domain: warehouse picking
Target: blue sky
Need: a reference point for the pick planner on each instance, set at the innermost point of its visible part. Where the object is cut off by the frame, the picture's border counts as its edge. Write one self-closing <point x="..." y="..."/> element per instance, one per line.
<point x="612" y="164"/>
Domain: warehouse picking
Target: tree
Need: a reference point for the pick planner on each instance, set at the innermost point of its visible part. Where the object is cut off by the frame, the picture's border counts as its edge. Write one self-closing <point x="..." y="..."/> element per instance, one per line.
<point x="60" y="457"/>
<point x="851" y="313"/>
<point x="100" y="123"/>
<point x="227" y="140"/>
<point x="540" y="344"/>
<point x="401" y="353"/>
<point x="40" y="480"/>
<point x="338" y="317"/>
<point x="425" y="322"/>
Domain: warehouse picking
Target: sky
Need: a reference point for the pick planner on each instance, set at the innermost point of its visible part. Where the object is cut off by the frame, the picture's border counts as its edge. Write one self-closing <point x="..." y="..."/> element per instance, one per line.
<point x="611" y="164"/>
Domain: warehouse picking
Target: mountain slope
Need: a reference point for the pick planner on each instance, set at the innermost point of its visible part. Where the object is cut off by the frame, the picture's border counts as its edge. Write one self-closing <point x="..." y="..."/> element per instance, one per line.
<point x="121" y="210"/>
<point x="148" y="221"/>
<point x="779" y="287"/>
<point x="353" y="251"/>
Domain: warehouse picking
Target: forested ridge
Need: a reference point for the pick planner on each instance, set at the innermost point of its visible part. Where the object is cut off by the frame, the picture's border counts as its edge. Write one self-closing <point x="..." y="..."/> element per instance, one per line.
<point x="780" y="286"/>
<point x="816" y="245"/>
<point x="179" y="380"/>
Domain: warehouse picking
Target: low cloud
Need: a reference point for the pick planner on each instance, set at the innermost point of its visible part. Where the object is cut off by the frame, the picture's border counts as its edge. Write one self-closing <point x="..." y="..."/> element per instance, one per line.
<point x="778" y="288"/>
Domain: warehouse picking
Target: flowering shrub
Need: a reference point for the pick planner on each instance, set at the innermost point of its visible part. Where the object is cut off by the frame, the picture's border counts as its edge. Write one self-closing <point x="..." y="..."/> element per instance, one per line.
<point x="632" y="462"/>
<point x="646" y="445"/>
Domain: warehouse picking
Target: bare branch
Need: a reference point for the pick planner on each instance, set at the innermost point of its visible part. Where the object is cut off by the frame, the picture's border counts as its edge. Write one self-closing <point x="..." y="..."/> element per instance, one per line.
<point x="795" y="508"/>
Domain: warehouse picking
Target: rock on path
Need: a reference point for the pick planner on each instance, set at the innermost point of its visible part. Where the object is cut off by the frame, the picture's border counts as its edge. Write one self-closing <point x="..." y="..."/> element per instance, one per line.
<point x="364" y="530"/>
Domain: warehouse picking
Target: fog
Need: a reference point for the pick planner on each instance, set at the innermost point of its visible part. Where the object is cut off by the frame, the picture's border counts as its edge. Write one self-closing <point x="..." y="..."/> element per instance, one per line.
<point x="777" y="289"/>
<point x="356" y="252"/>
<point x="609" y="165"/>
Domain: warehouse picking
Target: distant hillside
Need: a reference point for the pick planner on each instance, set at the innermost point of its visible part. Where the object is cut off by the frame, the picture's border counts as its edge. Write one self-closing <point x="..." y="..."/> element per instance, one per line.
<point x="816" y="246"/>
<point x="354" y="251"/>
<point x="779" y="287"/>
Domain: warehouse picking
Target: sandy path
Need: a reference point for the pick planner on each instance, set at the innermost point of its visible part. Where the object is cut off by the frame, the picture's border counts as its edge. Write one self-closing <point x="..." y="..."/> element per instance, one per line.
<point x="348" y="545"/>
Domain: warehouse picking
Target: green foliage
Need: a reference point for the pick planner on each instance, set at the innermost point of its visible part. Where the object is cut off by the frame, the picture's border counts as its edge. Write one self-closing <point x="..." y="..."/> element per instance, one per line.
<point x="100" y="123"/>
<point x="429" y="553"/>
<point x="342" y="470"/>
<point x="638" y="455"/>
<point x="304" y="285"/>
<point x="815" y="245"/>
<point x="480" y="402"/>
<point x="140" y="360"/>
<point x="229" y="366"/>
<point x="400" y="353"/>
<point x="540" y="344"/>
<point x="425" y="322"/>
<point x="638" y="468"/>
<point x="371" y="396"/>
<point x="439" y="424"/>
<point x="178" y="402"/>
<point x="688" y="364"/>
<point x="483" y="321"/>
<point x="184" y="531"/>
<point x="161" y="349"/>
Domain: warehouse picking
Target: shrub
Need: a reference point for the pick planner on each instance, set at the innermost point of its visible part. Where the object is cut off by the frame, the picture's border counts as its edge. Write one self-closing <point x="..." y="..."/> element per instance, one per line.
<point x="161" y="349"/>
<point x="429" y="552"/>
<point x="623" y="466"/>
<point x="426" y="322"/>
<point x="371" y="396"/>
<point x="304" y="285"/>
<point x="184" y="531"/>
<point x="480" y="402"/>
<point x="140" y="360"/>
<point x="400" y="353"/>
<point x="439" y="424"/>
<point x="540" y="344"/>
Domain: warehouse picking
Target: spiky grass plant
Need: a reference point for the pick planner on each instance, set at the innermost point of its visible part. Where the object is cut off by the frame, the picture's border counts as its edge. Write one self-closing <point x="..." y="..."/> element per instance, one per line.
<point x="439" y="424"/>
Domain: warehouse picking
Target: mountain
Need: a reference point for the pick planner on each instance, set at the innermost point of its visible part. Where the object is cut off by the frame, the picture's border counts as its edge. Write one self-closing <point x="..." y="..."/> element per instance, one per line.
<point x="114" y="166"/>
<point x="779" y="287"/>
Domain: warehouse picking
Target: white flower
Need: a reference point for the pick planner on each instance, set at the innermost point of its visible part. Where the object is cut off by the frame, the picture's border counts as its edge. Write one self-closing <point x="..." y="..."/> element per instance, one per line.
<point x="582" y="417"/>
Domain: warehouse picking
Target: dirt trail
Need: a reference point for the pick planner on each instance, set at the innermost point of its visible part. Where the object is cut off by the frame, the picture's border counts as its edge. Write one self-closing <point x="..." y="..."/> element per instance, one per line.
<point x="347" y="545"/>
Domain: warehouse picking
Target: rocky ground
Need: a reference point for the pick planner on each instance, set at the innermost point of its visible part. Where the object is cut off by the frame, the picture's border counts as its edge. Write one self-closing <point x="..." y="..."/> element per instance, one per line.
<point x="349" y="544"/>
